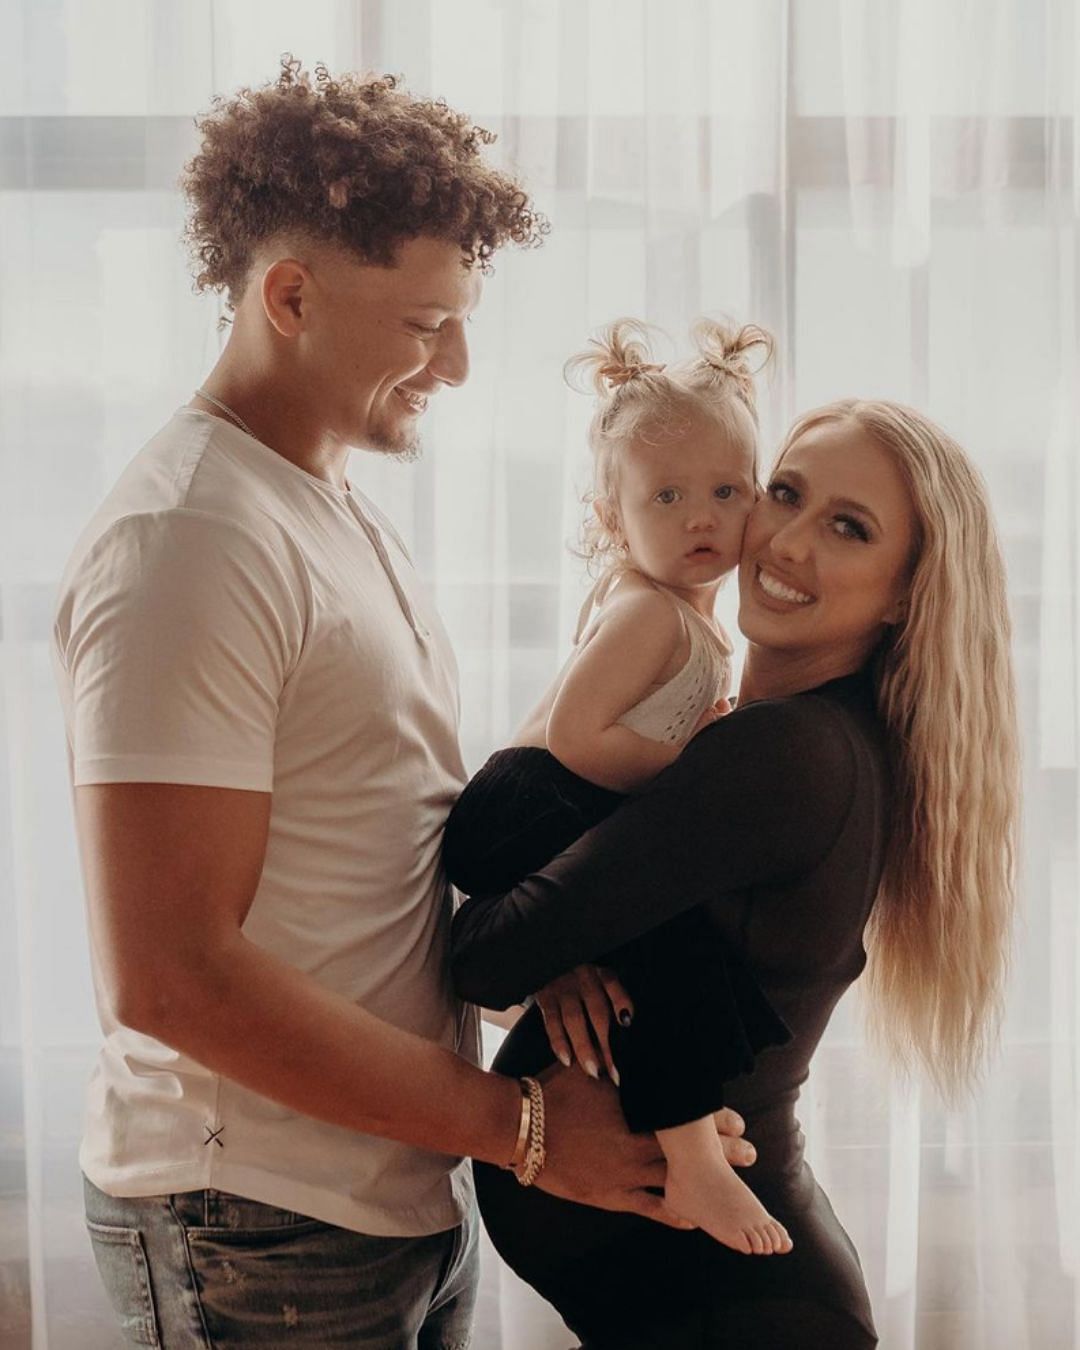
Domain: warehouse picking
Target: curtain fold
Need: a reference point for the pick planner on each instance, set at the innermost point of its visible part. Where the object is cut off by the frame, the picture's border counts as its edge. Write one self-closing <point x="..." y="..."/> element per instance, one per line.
<point x="890" y="186"/>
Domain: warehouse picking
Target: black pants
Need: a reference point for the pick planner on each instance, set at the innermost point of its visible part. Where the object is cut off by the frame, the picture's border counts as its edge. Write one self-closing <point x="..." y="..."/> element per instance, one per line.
<point x="699" y="1017"/>
<point x="627" y="1283"/>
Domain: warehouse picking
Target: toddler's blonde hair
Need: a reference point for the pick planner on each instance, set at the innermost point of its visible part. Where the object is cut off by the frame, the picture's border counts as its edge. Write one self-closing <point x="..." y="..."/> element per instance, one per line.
<point x="641" y="399"/>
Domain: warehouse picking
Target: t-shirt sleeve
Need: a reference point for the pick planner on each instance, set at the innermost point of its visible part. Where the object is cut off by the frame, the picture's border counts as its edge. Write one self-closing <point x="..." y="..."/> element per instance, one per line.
<point x="757" y="798"/>
<point x="176" y="635"/>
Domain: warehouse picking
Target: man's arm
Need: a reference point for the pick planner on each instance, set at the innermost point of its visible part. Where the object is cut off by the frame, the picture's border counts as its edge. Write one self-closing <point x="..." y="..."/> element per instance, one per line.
<point x="171" y="872"/>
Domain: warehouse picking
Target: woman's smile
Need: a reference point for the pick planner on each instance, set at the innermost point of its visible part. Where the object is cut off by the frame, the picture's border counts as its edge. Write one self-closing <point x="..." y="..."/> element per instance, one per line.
<point x="826" y="554"/>
<point x="777" y="589"/>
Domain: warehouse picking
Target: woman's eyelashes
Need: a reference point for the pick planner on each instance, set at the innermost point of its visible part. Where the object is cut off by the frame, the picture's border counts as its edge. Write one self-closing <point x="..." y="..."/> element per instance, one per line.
<point x="782" y="492"/>
<point x="845" y="525"/>
<point x="850" y="527"/>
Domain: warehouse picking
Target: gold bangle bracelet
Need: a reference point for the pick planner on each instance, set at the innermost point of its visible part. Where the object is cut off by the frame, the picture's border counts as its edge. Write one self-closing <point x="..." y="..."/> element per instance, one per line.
<point x="522" y="1145"/>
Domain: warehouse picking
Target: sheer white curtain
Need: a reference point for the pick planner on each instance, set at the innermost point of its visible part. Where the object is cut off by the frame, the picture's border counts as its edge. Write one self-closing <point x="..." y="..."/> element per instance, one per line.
<point x="892" y="186"/>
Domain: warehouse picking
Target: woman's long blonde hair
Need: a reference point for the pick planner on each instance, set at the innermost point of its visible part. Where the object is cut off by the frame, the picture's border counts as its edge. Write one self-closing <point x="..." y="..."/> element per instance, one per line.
<point x="940" y="932"/>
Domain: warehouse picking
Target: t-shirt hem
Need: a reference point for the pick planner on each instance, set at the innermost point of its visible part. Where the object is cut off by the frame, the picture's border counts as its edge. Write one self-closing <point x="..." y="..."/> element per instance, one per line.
<point x="311" y="1201"/>
<point x="193" y="772"/>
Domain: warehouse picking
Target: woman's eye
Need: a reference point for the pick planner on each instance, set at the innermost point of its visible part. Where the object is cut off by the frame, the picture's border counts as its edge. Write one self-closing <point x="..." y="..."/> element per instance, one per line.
<point x="847" y="527"/>
<point x="667" y="495"/>
<point x="424" y="330"/>
<point x="724" y="492"/>
<point x="780" y="492"/>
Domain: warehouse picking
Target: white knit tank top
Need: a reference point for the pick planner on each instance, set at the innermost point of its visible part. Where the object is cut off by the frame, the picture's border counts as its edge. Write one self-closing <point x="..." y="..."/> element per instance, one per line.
<point x="670" y="713"/>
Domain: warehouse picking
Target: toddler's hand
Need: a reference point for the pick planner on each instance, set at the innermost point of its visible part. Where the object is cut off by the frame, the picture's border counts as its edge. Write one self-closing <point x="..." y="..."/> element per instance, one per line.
<point x="719" y="709"/>
<point x="577" y="1010"/>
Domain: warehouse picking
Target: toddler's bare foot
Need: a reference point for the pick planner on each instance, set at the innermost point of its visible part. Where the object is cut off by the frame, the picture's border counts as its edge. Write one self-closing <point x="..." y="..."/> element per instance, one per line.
<point x="711" y="1196"/>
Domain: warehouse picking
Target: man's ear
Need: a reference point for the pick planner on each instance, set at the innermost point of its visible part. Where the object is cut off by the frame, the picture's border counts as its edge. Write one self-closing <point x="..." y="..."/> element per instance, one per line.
<point x="286" y="290"/>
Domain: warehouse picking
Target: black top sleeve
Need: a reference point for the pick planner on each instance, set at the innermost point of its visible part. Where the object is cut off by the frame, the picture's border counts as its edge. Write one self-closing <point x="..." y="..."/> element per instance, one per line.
<point x="758" y="797"/>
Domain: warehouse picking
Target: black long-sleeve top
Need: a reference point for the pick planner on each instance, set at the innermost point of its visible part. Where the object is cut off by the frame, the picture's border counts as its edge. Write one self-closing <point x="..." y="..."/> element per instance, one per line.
<point x="774" y="821"/>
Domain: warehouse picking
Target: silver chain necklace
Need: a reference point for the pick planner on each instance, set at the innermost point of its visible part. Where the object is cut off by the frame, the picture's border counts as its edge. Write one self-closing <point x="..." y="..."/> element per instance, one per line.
<point x="227" y="411"/>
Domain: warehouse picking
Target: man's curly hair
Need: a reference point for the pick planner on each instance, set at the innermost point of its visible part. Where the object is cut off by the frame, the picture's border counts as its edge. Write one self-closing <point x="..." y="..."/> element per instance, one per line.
<point x="354" y="161"/>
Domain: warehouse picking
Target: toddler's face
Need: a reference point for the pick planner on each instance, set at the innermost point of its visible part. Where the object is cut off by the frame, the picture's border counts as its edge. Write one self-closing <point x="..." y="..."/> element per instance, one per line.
<point x="682" y="504"/>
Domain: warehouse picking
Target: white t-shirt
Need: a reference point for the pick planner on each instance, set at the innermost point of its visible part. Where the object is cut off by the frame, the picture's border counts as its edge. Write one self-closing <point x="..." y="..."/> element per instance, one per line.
<point x="228" y="619"/>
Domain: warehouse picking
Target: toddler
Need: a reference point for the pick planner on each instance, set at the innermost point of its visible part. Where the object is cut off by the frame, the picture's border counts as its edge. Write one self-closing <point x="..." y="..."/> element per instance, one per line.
<point x="675" y="477"/>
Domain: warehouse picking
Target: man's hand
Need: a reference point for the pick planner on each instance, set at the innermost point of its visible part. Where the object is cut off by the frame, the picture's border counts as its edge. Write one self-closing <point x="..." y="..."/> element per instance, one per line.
<point x="594" y="1159"/>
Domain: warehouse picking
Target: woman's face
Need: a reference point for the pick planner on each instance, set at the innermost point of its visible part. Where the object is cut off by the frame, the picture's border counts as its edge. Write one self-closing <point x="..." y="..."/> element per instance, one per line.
<point x="827" y="551"/>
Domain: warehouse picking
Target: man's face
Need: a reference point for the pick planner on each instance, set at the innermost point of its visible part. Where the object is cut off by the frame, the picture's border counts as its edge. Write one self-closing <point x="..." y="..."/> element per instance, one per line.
<point x="382" y="341"/>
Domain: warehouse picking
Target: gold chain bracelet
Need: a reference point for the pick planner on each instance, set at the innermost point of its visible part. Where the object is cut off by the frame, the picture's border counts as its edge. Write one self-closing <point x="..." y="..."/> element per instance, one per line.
<point x="529" y="1154"/>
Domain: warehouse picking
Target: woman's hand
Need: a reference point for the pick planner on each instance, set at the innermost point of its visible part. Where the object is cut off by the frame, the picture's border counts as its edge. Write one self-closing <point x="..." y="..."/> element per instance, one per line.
<point x="577" y="1010"/>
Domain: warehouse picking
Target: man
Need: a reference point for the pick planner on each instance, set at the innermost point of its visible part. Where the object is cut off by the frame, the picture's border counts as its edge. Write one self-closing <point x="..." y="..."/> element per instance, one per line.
<point x="261" y="709"/>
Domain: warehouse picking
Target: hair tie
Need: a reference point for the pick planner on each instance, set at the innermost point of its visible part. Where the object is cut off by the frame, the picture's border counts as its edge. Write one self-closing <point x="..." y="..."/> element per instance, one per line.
<point x="618" y="374"/>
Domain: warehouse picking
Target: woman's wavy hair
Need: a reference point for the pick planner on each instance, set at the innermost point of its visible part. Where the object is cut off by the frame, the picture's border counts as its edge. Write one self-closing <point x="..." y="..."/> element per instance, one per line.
<point x="640" y="399"/>
<point x="352" y="160"/>
<point x="939" y="936"/>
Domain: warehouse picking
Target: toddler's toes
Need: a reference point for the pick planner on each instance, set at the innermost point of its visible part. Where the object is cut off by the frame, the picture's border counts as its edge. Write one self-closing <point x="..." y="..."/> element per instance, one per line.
<point x="781" y="1240"/>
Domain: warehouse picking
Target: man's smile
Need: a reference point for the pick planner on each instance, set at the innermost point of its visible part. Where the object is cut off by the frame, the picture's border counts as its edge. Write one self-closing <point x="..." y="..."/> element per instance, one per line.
<point x="414" y="401"/>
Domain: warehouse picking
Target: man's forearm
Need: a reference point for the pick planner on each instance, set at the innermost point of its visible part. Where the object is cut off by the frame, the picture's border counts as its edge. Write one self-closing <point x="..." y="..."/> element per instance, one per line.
<point x="256" y="1020"/>
<point x="264" y="1024"/>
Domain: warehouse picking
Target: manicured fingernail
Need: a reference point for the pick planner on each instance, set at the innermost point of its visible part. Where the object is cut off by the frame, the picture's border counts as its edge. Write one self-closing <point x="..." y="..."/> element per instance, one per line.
<point x="615" y="1075"/>
<point x="625" y="1017"/>
<point x="564" y="1059"/>
<point x="591" y="1069"/>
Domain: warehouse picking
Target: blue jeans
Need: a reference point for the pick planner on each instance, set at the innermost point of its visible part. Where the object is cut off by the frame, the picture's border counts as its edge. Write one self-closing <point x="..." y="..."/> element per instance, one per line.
<point x="205" y="1269"/>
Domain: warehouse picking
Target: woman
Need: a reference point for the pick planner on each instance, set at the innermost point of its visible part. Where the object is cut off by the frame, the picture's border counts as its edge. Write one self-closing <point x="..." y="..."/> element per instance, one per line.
<point x="867" y="780"/>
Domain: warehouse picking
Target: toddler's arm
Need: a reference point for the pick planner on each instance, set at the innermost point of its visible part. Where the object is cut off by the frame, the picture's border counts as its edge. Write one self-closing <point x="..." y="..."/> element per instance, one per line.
<point x="626" y="655"/>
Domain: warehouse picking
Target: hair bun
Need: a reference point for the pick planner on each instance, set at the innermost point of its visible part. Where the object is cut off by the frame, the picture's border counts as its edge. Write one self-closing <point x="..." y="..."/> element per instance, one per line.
<point x="617" y="375"/>
<point x="619" y="353"/>
<point x="723" y="349"/>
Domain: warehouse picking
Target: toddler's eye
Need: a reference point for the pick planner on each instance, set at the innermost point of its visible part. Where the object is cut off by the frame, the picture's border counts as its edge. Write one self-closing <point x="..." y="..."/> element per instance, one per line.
<point x="724" y="492"/>
<point x="666" y="496"/>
